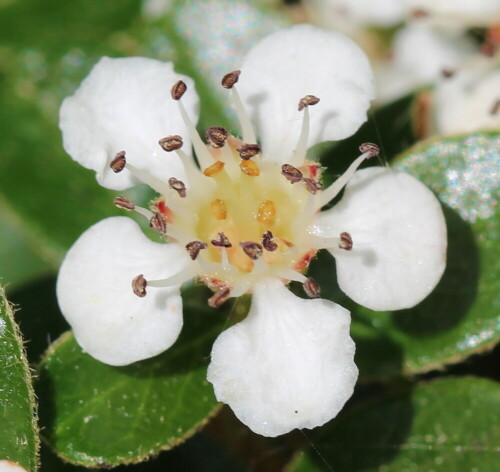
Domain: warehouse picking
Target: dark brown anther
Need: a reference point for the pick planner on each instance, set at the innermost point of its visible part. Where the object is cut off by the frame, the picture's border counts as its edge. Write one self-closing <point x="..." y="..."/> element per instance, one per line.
<point x="194" y="248"/>
<point x="447" y="73"/>
<point x="118" y="162"/>
<point x="223" y="241"/>
<point x="251" y="249"/>
<point x="371" y="148"/>
<point x="139" y="284"/>
<point x="230" y="79"/>
<point x="124" y="203"/>
<point x="171" y="143"/>
<point x="312" y="288"/>
<point x="291" y="173"/>
<point x="488" y="49"/>
<point x="312" y="185"/>
<point x="308" y="100"/>
<point x="345" y="241"/>
<point x="158" y="223"/>
<point x="419" y="13"/>
<point x="219" y="298"/>
<point x="178" y="90"/>
<point x="178" y="186"/>
<point x="268" y="243"/>
<point x="216" y="136"/>
<point x="495" y="108"/>
<point x="247" y="151"/>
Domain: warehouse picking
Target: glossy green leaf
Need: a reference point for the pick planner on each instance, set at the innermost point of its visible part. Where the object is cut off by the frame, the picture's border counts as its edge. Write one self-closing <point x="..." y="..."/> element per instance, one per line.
<point x="18" y="432"/>
<point x="446" y="425"/>
<point x="94" y="414"/>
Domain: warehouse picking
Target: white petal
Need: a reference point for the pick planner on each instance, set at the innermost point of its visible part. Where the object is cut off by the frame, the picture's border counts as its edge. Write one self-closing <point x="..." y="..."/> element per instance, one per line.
<point x="461" y="12"/>
<point x="95" y="294"/>
<point x="399" y="239"/>
<point x="289" y="364"/>
<point x="466" y="102"/>
<point x="9" y="466"/>
<point x="125" y="105"/>
<point x="300" y="61"/>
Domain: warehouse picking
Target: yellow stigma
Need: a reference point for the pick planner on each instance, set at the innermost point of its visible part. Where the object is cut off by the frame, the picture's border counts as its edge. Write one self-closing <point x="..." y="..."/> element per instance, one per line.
<point x="219" y="209"/>
<point x="266" y="212"/>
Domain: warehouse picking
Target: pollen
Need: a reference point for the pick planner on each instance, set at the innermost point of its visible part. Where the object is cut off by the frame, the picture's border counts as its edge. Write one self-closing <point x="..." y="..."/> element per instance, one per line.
<point x="215" y="168"/>
<point x="266" y="212"/>
<point x="219" y="209"/>
<point x="249" y="167"/>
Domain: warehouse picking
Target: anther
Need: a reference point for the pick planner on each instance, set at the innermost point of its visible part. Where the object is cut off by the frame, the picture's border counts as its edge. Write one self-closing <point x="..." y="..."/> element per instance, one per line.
<point x="447" y="73"/>
<point x="194" y="248"/>
<point x="216" y="136"/>
<point x="219" y="297"/>
<point x="219" y="209"/>
<point x="215" y="168"/>
<point x="247" y="151"/>
<point x="268" y="243"/>
<point x="345" y="241"/>
<point x="251" y="249"/>
<point x="370" y="148"/>
<point x="419" y="13"/>
<point x="178" y="90"/>
<point x="250" y="168"/>
<point x="312" y="185"/>
<point x="266" y="211"/>
<point x="312" y="288"/>
<point x="139" y="284"/>
<point x="178" y="186"/>
<point x="223" y="241"/>
<point x="118" y="162"/>
<point x="291" y="173"/>
<point x="495" y="108"/>
<point x="158" y="223"/>
<point x="230" y="79"/>
<point x="124" y="203"/>
<point x="171" y="143"/>
<point x="308" y="100"/>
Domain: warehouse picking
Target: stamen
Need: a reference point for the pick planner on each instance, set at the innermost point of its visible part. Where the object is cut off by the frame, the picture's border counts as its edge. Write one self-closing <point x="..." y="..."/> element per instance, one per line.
<point x="419" y="13"/>
<point x="216" y="136"/>
<point x="171" y="143"/>
<point x="124" y="203"/>
<point x="158" y="223"/>
<point x="250" y="168"/>
<point x="266" y="212"/>
<point x="118" y="162"/>
<point x="495" y="108"/>
<point x="178" y="90"/>
<point x="251" y="249"/>
<point x="291" y="173"/>
<point x="219" y="209"/>
<point x="447" y="73"/>
<point x="215" y="168"/>
<point x="247" y="151"/>
<point x="307" y="101"/>
<point x="299" y="154"/>
<point x="230" y="79"/>
<point x="144" y="177"/>
<point x="345" y="241"/>
<point x="194" y="248"/>
<point x="139" y="284"/>
<point x="312" y="288"/>
<point x="312" y="185"/>
<point x="368" y="150"/>
<point x="268" y="242"/>
<point x="178" y="186"/>
<point x="219" y="297"/>
<point x="223" y="241"/>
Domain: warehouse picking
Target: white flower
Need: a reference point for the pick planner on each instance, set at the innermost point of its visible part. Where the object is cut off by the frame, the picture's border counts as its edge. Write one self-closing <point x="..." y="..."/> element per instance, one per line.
<point x="249" y="220"/>
<point x="9" y="466"/>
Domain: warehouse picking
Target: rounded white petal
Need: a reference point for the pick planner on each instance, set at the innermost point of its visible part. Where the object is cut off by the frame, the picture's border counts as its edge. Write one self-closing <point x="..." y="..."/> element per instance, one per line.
<point x="461" y="12"/>
<point x="305" y="60"/>
<point x="95" y="294"/>
<point x="289" y="364"/>
<point x="9" y="466"/>
<point x="125" y="105"/>
<point x="420" y="54"/>
<point x="468" y="101"/>
<point x="399" y="239"/>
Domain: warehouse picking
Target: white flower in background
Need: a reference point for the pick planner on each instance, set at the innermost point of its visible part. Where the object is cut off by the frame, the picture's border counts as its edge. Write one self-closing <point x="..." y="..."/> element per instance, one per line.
<point x="468" y="99"/>
<point x="247" y="220"/>
<point x="9" y="466"/>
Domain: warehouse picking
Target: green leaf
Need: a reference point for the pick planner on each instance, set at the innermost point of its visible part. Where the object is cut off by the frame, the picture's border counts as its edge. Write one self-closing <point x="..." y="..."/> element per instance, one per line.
<point x="94" y="414"/>
<point x="18" y="432"/>
<point x="447" y="425"/>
